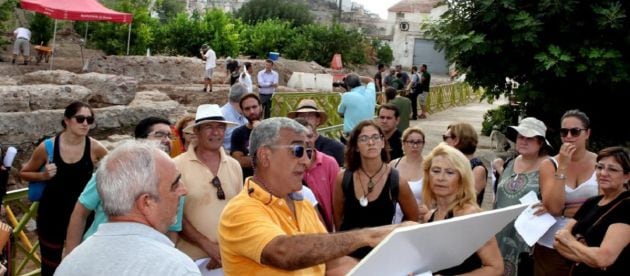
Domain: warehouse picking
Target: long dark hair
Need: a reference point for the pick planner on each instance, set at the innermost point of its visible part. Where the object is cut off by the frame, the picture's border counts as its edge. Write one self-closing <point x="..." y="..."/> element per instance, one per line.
<point x="352" y="155"/>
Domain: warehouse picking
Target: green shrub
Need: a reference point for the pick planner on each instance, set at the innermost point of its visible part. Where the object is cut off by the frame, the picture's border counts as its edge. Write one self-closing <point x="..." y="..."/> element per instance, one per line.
<point x="499" y="119"/>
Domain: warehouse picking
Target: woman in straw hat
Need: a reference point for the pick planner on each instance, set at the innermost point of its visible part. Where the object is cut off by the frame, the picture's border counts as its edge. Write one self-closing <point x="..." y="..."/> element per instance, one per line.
<point x="522" y="175"/>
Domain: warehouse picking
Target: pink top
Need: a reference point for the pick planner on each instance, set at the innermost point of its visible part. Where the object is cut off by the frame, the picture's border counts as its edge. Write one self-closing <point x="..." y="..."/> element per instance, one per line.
<point x="320" y="177"/>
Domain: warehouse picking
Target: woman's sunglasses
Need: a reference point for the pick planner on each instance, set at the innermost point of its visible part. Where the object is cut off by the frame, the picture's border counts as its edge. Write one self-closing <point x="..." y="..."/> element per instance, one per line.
<point x="80" y="119"/>
<point x="576" y="131"/>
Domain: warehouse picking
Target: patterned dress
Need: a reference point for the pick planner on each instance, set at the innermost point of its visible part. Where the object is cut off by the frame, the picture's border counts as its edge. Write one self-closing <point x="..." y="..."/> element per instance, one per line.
<point x="511" y="188"/>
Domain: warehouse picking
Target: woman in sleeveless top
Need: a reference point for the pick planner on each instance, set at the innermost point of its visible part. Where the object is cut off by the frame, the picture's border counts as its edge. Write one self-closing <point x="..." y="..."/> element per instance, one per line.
<point x="448" y="185"/>
<point x="368" y="193"/>
<point x="596" y="239"/>
<point x="463" y="137"/>
<point x="73" y="163"/>
<point x="409" y="167"/>
<point x="576" y="172"/>
<point x="522" y="175"/>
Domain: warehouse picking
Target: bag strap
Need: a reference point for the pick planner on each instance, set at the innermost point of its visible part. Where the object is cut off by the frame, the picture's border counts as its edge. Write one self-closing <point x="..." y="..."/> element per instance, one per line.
<point x="345" y="182"/>
<point x="394" y="186"/>
<point x="609" y="210"/>
<point x="48" y="143"/>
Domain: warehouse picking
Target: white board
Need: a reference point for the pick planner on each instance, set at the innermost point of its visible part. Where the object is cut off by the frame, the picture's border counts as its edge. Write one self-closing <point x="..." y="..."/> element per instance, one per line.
<point x="434" y="246"/>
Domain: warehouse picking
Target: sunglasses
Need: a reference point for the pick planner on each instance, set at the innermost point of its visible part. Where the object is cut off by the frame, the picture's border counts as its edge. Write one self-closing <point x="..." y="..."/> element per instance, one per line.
<point x="297" y="150"/>
<point x="80" y="119"/>
<point x="446" y="137"/>
<point x="576" y="131"/>
<point x="216" y="182"/>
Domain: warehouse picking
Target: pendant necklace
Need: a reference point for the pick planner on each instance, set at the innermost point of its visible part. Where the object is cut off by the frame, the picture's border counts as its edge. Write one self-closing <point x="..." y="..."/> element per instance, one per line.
<point x="371" y="183"/>
<point x="363" y="201"/>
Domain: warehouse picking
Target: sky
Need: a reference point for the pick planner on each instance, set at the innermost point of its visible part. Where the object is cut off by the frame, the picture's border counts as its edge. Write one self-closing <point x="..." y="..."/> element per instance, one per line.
<point x="377" y="6"/>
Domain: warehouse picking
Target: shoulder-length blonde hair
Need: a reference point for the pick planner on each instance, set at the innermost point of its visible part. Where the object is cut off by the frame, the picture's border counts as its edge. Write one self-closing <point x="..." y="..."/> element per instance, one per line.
<point x="465" y="190"/>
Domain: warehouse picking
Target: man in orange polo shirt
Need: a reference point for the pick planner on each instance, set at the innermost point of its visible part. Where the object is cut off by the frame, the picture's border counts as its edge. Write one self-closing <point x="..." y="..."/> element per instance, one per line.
<point x="268" y="229"/>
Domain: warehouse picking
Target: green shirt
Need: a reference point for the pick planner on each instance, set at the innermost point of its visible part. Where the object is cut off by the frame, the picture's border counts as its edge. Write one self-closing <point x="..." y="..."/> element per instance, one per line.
<point x="404" y="108"/>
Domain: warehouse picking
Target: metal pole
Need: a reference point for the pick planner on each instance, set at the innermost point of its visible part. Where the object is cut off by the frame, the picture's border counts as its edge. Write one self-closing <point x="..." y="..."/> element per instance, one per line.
<point x="86" y="30"/>
<point x="128" y="38"/>
<point x="52" y="58"/>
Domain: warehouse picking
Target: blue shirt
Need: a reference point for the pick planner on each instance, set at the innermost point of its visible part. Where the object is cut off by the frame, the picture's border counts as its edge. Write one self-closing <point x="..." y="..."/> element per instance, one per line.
<point x="265" y="80"/>
<point x="231" y="114"/>
<point x="91" y="200"/>
<point x="357" y="105"/>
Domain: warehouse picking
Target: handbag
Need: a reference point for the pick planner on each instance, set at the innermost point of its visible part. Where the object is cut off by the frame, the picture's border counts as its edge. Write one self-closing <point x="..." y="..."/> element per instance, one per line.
<point x="36" y="188"/>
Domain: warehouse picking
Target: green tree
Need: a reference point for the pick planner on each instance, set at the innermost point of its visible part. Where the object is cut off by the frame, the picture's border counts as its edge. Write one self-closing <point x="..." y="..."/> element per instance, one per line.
<point x="296" y="11"/>
<point x="112" y="37"/>
<point x="184" y="35"/>
<point x="41" y="29"/>
<point x="168" y="9"/>
<point x="565" y="55"/>
<point x="272" y="35"/>
<point x="6" y="9"/>
<point x="319" y="43"/>
<point x="384" y="53"/>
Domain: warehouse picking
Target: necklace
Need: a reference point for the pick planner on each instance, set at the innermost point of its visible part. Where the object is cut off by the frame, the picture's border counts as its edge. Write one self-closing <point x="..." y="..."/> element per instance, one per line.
<point x="371" y="183"/>
<point x="363" y="201"/>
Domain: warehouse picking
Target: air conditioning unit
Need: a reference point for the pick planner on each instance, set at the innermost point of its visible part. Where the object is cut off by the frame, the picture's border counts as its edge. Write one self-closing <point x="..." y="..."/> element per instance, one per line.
<point x="404" y="26"/>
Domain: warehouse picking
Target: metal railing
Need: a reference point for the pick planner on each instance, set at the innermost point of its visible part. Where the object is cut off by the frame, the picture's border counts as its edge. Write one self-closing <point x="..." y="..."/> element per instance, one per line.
<point x="440" y="98"/>
<point x="24" y="253"/>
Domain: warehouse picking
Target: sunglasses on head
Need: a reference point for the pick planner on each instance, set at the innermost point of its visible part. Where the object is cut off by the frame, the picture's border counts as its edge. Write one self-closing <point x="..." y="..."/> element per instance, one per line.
<point x="576" y="131"/>
<point x="297" y="150"/>
<point x="80" y="119"/>
<point x="216" y="182"/>
<point x="446" y="137"/>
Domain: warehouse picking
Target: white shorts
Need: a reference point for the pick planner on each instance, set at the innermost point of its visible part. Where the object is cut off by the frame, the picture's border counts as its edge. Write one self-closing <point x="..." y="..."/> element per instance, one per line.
<point x="208" y="74"/>
<point x="422" y="97"/>
<point x="22" y="46"/>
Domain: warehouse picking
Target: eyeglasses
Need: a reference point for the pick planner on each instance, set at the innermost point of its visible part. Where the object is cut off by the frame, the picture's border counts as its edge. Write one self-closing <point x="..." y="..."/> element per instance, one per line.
<point x="446" y="137"/>
<point x="216" y="182"/>
<point x="80" y="119"/>
<point x="610" y="169"/>
<point x="374" y="138"/>
<point x="297" y="150"/>
<point x="414" y="142"/>
<point x="575" y="132"/>
<point x="161" y="135"/>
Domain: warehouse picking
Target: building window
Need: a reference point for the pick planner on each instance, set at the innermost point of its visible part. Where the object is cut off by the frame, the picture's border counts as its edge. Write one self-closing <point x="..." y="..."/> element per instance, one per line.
<point x="400" y="15"/>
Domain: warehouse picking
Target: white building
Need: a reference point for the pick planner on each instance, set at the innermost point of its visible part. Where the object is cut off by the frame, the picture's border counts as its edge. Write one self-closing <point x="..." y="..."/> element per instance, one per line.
<point x="407" y="40"/>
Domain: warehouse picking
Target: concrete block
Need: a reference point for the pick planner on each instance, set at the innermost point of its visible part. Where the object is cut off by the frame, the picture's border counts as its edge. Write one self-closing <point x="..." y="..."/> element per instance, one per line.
<point x="324" y="82"/>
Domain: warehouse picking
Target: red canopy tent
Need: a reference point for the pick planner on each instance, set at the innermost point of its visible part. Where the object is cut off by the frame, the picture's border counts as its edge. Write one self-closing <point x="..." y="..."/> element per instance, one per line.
<point x="78" y="10"/>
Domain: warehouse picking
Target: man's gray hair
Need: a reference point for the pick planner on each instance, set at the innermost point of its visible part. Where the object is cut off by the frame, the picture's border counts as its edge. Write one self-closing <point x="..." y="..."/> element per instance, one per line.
<point x="127" y="172"/>
<point x="352" y="80"/>
<point x="236" y="92"/>
<point x="268" y="132"/>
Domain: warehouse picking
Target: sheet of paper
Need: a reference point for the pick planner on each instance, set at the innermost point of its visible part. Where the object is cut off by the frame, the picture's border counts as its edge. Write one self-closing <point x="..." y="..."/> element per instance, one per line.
<point x="421" y="249"/>
<point x="202" y="263"/>
<point x="530" y="226"/>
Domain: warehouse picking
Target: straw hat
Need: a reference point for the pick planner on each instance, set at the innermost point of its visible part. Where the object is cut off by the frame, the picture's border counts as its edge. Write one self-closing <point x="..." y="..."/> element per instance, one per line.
<point x="306" y="106"/>
<point x="208" y="113"/>
<point x="528" y="127"/>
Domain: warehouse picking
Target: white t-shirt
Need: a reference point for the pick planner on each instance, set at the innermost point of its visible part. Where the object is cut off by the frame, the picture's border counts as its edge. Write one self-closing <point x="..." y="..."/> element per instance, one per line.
<point x="211" y="59"/>
<point x="22" y="33"/>
<point x="246" y="80"/>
